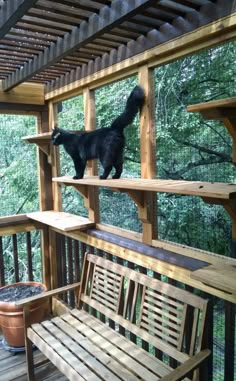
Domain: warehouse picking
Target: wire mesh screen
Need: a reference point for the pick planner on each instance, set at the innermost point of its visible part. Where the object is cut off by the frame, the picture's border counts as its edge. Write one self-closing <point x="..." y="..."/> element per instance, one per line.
<point x="115" y="208"/>
<point x="18" y="166"/>
<point x="71" y="117"/>
<point x="192" y="148"/>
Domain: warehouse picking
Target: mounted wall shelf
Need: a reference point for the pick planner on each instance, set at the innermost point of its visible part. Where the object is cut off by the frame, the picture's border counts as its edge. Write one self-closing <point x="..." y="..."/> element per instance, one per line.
<point x="43" y="141"/>
<point x="213" y="191"/>
<point x="61" y="220"/>
<point x="223" y="110"/>
<point x="222" y="278"/>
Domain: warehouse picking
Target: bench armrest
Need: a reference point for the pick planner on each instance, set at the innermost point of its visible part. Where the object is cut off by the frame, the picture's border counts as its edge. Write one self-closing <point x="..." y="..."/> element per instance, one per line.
<point x="189" y="365"/>
<point x="47" y="294"/>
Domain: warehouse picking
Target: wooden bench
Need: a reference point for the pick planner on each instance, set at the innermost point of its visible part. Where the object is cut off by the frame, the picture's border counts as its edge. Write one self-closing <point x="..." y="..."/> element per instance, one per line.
<point x="83" y="346"/>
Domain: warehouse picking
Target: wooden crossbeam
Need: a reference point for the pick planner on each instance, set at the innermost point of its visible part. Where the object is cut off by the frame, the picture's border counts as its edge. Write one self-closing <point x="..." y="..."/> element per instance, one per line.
<point x="108" y="18"/>
<point x="11" y="12"/>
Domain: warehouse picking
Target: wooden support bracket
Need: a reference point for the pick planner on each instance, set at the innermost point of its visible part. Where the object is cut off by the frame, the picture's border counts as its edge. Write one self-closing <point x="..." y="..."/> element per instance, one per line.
<point x="89" y="195"/>
<point x="229" y="205"/>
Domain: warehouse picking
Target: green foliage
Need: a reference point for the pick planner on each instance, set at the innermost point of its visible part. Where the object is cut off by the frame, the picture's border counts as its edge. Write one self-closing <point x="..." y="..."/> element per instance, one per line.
<point x="18" y="166"/>
<point x="192" y="148"/>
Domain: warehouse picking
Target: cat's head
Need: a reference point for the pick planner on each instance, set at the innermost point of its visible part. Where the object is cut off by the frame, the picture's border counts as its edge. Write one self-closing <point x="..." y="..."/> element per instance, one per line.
<point x="56" y="137"/>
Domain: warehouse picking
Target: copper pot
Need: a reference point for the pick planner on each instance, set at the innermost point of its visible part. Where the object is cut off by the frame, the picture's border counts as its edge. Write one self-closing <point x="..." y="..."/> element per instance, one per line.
<point x="11" y="317"/>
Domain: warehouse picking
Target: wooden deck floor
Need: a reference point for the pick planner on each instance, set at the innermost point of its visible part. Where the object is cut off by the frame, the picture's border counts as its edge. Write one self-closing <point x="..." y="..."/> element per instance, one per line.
<point x="13" y="367"/>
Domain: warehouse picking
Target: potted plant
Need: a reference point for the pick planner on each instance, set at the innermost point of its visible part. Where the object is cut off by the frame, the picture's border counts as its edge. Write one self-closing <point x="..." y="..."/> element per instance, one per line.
<point x="11" y="316"/>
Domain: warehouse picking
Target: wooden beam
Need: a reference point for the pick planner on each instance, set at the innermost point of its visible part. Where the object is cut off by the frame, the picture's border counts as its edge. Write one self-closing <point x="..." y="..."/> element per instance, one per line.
<point x="204" y="37"/>
<point x="24" y="95"/>
<point x="12" y="12"/>
<point x="108" y="18"/>
<point x="92" y="168"/>
<point x="148" y="214"/>
<point x="55" y="158"/>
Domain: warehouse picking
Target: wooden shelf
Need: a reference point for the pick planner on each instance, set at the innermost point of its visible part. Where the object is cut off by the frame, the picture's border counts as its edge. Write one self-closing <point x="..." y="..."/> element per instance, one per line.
<point x="38" y="139"/>
<point x="43" y="141"/>
<point x="227" y="104"/>
<point x="217" y="191"/>
<point x="222" y="278"/>
<point x="61" y="220"/>
<point x="223" y="110"/>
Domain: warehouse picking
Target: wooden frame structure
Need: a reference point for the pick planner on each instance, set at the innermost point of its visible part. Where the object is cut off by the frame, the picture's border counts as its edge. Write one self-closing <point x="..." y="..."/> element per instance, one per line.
<point x="66" y="48"/>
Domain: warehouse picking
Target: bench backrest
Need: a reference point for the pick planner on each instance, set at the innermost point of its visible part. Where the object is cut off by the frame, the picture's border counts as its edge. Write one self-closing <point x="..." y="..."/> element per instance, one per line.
<point x="169" y="318"/>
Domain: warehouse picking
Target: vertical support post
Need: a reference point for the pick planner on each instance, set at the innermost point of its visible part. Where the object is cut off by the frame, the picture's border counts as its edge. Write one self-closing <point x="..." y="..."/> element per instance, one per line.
<point x="55" y="160"/>
<point x="45" y="169"/>
<point x="148" y="152"/>
<point x="92" y="170"/>
<point x="45" y="196"/>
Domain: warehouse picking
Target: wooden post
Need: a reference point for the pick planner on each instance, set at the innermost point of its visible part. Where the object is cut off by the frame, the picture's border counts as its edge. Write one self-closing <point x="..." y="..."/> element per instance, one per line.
<point x="45" y="196"/>
<point x="92" y="202"/>
<point x="55" y="160"/>
<point x="148" y="153"/>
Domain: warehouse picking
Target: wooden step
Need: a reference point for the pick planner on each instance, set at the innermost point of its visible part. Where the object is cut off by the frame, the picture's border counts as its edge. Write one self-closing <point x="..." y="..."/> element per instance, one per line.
<point x="61" y="220"/>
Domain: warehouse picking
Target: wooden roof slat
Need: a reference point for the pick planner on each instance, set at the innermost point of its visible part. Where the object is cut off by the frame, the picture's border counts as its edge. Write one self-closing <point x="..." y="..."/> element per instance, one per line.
<point x="15" y="47"/>
<point x="32" y="34"/>
<point x="55" y="16"/>
<point x="63" y="9"/>
<point x="27" y="40"/>
<point x="8" y="52"/>
<point x="108" y="18"/>
<point x="22" y="44"/>
<point x="35" y="28"/>
<point x="86" y="5"/>
<point x="11" y="12"/>
<point x="42" y="22"/>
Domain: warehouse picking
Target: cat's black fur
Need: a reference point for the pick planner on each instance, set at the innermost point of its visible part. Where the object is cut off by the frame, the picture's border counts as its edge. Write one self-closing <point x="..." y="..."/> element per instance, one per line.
<point x="105" y="144"/>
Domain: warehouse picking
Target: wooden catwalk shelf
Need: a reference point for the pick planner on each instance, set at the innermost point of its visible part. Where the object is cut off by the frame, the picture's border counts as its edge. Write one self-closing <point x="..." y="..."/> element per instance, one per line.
<point x="40" y="138"/>
<point x="223" y="191"/>
<point x="226" y="105"/>
<point x="61" y="220"/>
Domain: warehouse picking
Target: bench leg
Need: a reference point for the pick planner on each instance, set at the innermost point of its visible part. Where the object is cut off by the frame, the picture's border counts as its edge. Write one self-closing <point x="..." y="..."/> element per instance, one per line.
<point x="30" y="359"/>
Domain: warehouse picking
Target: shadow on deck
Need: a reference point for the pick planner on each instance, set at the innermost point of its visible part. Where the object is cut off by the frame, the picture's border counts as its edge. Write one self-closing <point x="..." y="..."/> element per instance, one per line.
<point x="13" y="367"/>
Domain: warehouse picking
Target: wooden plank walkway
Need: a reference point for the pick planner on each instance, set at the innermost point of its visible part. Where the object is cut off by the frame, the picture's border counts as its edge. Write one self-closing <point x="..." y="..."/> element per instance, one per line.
<point x="13" y="367"/>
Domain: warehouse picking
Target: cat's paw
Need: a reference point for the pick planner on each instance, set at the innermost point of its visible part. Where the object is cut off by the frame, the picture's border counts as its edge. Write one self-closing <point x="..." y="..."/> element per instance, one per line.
<point x="77" y="177"/>
<point x="116" y="176"/>
<point x="101" y="177"/>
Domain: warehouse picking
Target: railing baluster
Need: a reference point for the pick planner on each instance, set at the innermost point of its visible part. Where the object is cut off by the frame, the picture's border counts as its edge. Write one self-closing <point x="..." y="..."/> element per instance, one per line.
<point x="229" y="341"/>
<point x="15" y="256"/>
<point x="2" y="269"/>
<point x="29" y="256"/>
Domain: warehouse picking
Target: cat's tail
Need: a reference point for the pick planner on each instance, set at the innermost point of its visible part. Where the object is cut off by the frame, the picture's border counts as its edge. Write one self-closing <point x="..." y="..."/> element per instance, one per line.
<point x="133" y="105"/>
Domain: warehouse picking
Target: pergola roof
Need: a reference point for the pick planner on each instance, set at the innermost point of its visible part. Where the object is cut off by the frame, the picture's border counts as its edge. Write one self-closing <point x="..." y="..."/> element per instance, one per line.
<point x="46" y="40"/>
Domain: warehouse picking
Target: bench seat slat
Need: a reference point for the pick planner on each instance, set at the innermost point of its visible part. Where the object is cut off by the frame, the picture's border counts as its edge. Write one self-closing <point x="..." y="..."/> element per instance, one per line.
<point x="123" y="360"/>
<point x="82" y="349"/>
<point x="146" y="359"/>
<point x="53" y="356"/>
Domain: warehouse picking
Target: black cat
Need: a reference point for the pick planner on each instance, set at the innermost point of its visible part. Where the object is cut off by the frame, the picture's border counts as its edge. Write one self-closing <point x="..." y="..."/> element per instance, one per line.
<point x="105" y="144"/>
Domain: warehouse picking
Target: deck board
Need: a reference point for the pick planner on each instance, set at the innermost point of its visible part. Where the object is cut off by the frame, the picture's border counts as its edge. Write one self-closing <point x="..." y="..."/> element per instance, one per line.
<point x="13" y="367"/>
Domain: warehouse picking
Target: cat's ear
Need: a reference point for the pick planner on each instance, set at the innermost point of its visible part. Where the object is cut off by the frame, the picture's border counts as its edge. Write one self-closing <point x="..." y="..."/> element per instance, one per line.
<point x="55" y="128"/>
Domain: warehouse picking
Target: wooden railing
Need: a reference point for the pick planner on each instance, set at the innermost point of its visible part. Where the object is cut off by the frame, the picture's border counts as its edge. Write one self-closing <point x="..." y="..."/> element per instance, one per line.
<point x="20" y="250"/>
